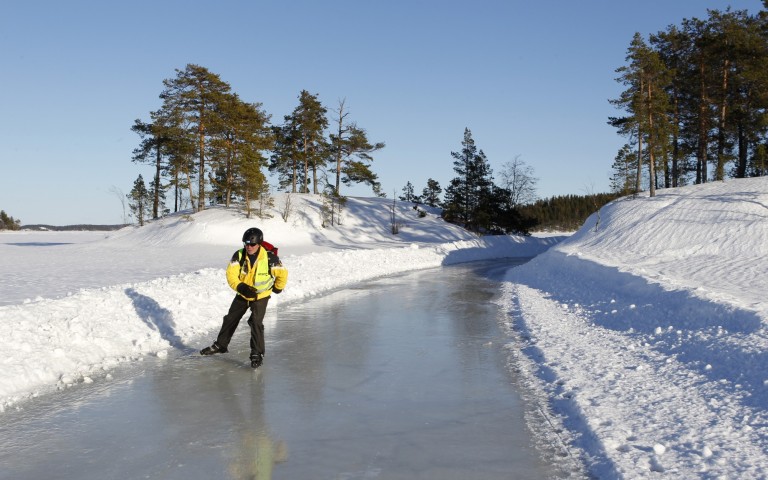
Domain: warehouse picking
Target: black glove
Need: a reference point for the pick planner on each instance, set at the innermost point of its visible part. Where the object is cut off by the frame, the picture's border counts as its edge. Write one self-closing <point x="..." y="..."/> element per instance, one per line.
<point x="246" y="290"/>
<point x="276" y="290"/>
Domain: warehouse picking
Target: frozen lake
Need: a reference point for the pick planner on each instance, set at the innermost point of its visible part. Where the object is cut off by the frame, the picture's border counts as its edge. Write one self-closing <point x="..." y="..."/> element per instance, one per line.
<point x="404" y="377"/>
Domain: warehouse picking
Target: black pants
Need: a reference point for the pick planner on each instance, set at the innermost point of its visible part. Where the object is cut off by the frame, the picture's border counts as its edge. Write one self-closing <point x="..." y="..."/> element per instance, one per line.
<point x="256" y="321"/>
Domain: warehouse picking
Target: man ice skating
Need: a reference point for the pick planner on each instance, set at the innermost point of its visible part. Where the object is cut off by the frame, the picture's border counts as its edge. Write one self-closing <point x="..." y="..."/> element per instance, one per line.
<point x="254" y="272"/>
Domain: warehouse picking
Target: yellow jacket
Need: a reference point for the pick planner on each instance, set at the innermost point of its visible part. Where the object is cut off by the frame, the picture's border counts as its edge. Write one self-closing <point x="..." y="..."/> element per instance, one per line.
<point x="268" y="275"/>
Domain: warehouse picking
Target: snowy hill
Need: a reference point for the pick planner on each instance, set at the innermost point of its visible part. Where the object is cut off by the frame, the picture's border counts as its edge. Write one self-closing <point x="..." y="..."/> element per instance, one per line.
<point x="641" y="337"/>
<point x="647" y="335"/>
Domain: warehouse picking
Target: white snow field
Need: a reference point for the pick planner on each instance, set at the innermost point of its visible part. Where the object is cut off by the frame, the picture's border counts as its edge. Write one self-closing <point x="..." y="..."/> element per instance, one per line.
<point x="641" y="336"/>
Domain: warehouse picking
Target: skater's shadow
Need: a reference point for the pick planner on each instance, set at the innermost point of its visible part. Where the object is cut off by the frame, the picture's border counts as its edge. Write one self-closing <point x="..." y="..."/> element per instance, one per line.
<point x="157" y="318"/>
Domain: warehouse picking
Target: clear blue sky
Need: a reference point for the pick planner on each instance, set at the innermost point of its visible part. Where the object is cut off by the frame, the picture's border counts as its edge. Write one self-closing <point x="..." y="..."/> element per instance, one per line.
<point x="528" y="78"/>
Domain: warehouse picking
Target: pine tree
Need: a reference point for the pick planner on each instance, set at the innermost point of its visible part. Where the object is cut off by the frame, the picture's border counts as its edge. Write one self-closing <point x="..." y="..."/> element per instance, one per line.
<point x="647" y="103"/>
<point x="242" y="134"/>
<point x="717" y="92"/>
<point x="743" y="47"/>
<point x="431" y="193"/>
<point x="192" y="106"/>
<point x="285" y="159"/>
<point x="180" y="150"/>
<point x="151" y="151"/>
<point x="673" y="47"/>
<point x="252" y="184"/>
<point x="701" y="78"/>
<point x="351" y="151"/>
<point x="758" y="166"/>
<point x="306" y="127"/>
<point x="300" y="145"/>
<point x="157" y="192"/>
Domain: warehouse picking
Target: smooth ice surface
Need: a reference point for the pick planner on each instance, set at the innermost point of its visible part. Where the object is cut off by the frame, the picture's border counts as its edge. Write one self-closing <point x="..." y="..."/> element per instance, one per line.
<point x="401" y="378"/>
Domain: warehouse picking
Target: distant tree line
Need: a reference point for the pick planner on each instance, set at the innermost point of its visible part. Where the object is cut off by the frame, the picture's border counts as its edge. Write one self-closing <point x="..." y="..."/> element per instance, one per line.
<point x="73" y="228"/>
<point x="208" y="146"/>
<point x="695" y="101"/>
<point x="7" y="222"/>
<point x="564" y="213"/>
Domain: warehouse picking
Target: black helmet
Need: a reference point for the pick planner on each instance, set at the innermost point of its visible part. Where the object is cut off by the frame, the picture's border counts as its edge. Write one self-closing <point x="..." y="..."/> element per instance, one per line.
<point x="253" y="236"/>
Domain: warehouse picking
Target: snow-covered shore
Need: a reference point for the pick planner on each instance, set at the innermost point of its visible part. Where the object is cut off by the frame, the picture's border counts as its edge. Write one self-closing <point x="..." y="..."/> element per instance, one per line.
<point x="104" y="299"/>
<point x="643" y="336"/>
<point x="646" y="333"/>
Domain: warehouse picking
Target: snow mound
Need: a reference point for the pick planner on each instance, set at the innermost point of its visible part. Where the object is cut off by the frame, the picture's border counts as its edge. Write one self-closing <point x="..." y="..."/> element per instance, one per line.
<point x="644" y="333"/>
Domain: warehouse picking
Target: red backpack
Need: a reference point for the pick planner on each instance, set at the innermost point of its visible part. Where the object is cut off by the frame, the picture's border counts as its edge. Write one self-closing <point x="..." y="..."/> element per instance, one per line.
<point x="269" y="247"/>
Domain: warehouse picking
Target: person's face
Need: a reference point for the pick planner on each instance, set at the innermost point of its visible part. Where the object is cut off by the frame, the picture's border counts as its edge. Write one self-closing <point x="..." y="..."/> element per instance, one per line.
<point x="251" y="248"/>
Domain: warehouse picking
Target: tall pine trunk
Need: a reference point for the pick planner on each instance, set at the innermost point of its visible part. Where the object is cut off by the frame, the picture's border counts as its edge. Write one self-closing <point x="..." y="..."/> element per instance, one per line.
<point x="201" y="174"/>
<point x="305" y="182"/>
<point x="703" y="138"/>
<point x="189" y="186"/>
<point x="314" y="177"/>
<point x="651" y="146"/>
<point x="176" y="191"/>
<point x="156" y="199"/>
<point x="741" y="166"/>
<point x="720" y="167"/>
<point x="675" y="144"/>
<point x="295" y="164"/>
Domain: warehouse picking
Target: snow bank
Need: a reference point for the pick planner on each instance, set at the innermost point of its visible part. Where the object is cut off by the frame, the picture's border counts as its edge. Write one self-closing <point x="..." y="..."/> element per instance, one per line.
<point x="645" y="334"/>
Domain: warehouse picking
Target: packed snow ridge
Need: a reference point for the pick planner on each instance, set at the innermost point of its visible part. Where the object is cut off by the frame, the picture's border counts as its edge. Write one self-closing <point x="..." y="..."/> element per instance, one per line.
<point x="641" y="337"/>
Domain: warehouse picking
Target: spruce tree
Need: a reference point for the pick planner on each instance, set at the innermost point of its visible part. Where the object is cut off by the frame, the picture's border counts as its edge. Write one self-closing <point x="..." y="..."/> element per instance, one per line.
<point x="140" y="201"/>
<point x="624" y="166"/>
<point x="458" y="199"/>
<point x="468" y="196"/>
<point x="408" y="195"/>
